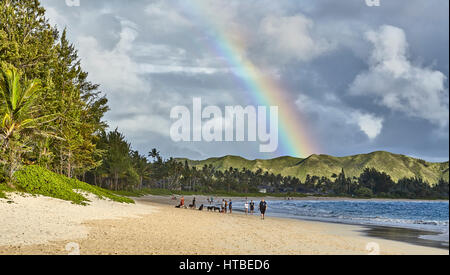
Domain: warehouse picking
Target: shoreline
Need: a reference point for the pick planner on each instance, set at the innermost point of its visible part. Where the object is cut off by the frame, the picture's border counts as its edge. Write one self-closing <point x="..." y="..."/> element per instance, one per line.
<point x="309" y="198"/>
<point x="166" y="200"/>
<point x="386" y="232"/>
<point x="151" y="228"/>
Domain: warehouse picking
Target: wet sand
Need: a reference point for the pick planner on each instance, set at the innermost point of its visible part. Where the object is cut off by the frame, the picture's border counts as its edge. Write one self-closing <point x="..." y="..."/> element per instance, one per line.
<point x="411" y="236"/>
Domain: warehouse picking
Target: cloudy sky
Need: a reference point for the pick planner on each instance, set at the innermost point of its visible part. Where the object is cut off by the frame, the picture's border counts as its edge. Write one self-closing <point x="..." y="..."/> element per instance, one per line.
<point x="362" y="78"/>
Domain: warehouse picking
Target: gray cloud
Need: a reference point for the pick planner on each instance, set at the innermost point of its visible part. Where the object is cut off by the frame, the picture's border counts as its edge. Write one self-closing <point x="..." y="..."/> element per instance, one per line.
<point x="152" y="55"/>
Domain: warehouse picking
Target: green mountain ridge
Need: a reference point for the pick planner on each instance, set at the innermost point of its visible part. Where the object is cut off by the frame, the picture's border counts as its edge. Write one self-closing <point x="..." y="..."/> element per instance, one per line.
<point x="395" y="165"/>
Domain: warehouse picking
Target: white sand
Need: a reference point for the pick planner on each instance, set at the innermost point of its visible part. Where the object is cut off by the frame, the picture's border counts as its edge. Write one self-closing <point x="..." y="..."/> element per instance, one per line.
<point x="38" y="220"/>
<point x="41" y="226"/>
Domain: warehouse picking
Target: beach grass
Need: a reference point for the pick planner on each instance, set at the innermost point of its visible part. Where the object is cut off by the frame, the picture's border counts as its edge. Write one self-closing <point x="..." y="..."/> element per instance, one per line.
<point x="36" y="180"/>
<point x="3" y="190"/>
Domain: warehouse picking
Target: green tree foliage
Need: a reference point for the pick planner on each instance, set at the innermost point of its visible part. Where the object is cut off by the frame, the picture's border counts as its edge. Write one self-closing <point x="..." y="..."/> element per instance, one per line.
<point x="141" y="167"/>
<point x="30" y="44"/>
<point x="21" y="121"/>
<point x="122" y="168"/>
<point x="364" y="192"/>
<point x="81" y="109"/>
<point x="376" y="181"/>
<point x="26" y="38"/>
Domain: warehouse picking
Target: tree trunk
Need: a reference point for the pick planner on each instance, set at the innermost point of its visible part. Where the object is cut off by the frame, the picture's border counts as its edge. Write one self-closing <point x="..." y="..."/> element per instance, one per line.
<point x="61" y="161"/>
<point x="69" y="168"/>
<point x="12" y="163"/>
<point x="116" y="180"/>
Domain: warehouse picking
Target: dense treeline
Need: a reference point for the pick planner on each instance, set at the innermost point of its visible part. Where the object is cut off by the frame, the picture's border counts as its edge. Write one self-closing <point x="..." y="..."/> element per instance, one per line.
<point x="125" y="169"/>
<point x="51" y="116"/>
<point x="121" y="168"/>
<point x="174" y="175"/>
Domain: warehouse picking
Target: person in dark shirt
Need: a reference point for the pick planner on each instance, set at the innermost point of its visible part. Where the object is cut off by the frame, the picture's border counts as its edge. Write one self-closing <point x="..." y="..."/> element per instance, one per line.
<point x="263" y="208"/>
<point x="252" y="207"/>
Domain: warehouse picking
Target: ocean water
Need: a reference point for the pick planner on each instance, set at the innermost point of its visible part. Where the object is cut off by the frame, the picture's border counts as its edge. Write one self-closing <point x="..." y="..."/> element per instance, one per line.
<point x="420" y="215"/>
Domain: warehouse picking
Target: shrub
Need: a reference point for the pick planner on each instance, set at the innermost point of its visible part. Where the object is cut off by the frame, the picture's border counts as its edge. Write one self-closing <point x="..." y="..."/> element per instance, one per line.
<point x="3" y="188"/>
<point x="39" y="181"/>
<point x="364" y="192"/>
<point x="2" y="175"/>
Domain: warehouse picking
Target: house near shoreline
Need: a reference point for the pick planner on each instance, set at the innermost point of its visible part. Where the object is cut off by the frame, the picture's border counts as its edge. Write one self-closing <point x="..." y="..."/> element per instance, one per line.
<point x="263" y="189"/>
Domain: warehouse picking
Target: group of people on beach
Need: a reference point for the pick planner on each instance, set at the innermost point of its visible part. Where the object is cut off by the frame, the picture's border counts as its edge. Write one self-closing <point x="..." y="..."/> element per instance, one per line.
<point x="226" y="206"/>
<point x="249" y="208"/>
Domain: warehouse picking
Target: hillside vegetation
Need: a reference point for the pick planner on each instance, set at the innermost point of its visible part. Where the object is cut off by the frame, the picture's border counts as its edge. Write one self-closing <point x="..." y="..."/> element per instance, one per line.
<point x="40" y="181"/>
<point x="397" y="166"/>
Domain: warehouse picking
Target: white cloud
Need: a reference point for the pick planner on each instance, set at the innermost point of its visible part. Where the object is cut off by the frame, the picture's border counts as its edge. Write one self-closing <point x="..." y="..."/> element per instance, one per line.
<point x="331" y="111"/>
<point x="56" y="18"/>
<point x="114" y="69"/>
<point x="155" y="69"/>
<point x="157" y="51"/>
<point x="369" y="124"/>
<point x="290" y="37"/>
<point x="400" y="85"/>
<point x="164" y="17"/>
<point x="142" y="124"/>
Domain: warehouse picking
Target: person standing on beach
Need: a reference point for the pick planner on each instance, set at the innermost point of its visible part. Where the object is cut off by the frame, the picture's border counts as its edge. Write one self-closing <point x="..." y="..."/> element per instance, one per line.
<point x="246" y="207"/>
<point x="223" y="205"/>
<point x="226" y="206"/>
<point x="263" y="208"/>
<point x="230" y="206"/>
<point x="252" y="207"/>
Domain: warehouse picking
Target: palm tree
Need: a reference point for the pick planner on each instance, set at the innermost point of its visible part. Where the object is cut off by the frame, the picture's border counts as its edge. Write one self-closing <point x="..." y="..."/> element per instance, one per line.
<point x="19" y="114"/>
<point x="141" y="166"/>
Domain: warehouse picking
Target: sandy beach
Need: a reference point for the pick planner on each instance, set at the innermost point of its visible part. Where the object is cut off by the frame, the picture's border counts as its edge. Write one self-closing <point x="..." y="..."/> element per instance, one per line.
<point x="39" y="225"/>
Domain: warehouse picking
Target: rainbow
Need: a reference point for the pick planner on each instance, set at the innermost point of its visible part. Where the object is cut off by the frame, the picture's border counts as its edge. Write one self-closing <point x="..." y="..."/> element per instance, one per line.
<point x="294" y="139"/>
